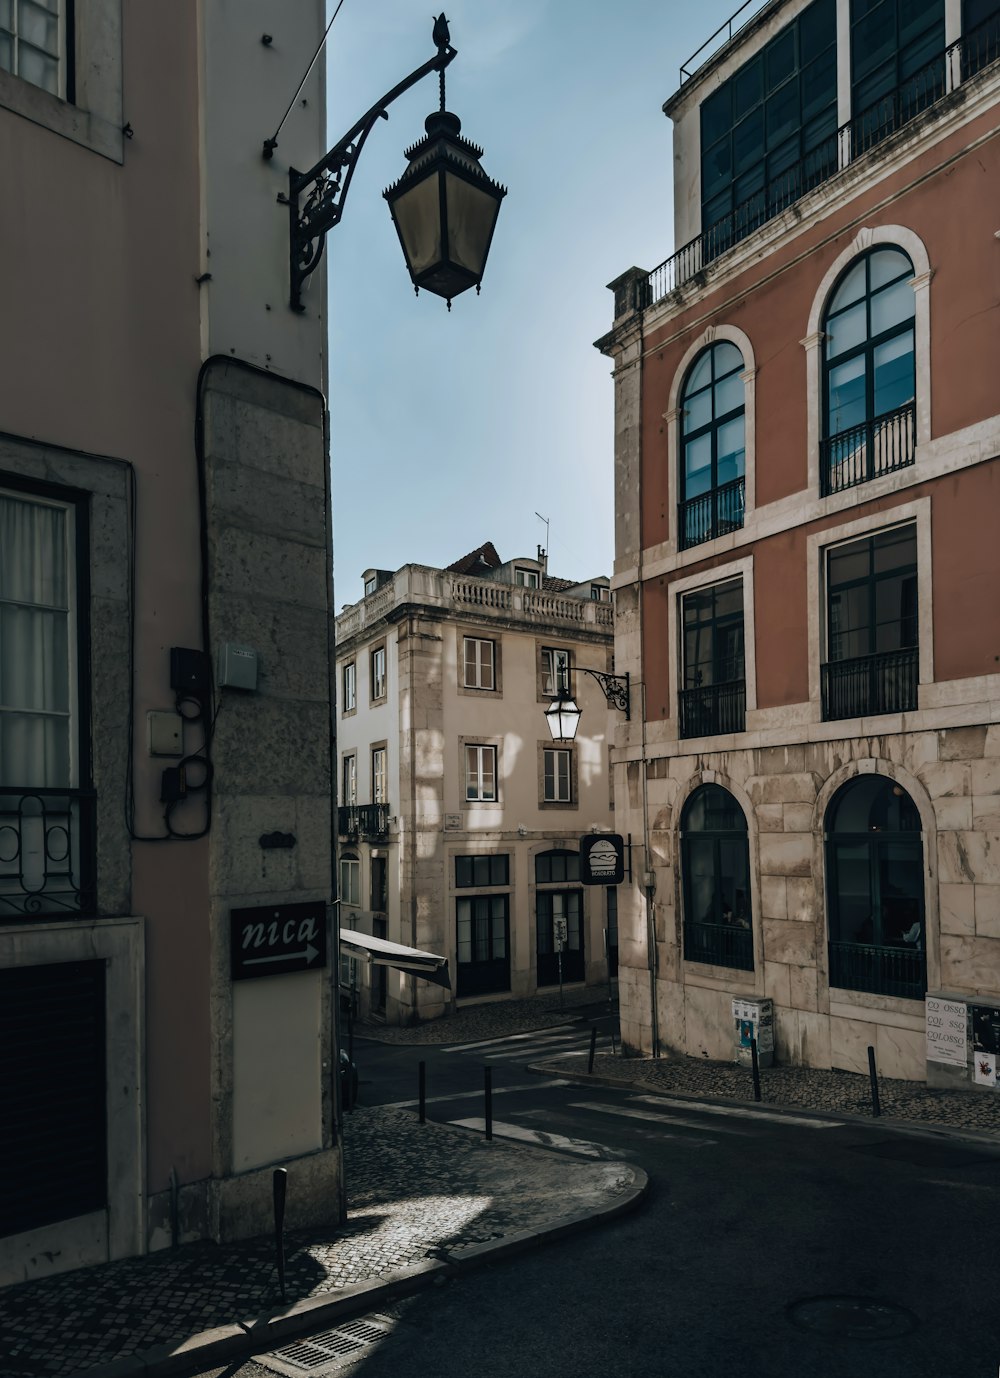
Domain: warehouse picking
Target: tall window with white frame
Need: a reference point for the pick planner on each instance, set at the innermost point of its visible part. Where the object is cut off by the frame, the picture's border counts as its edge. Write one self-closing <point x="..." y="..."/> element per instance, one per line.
<point x="480" y="773"/>
<point x="872" y="626"/>
<point x="713" y="696"/>
<point x="379" y="683"/>
<point x="869" y="378"/>
<point x="557" y="775"/>
<point x="712" y="447"/>
<point x="348" y="688"/>
<point x="555" y="670"/>
<point x="380" y="776"/>
<point x="479" y="660"/>
<point x="350" y="880"/>
<point x="36" y="43"/>
<point x="46" y="807"/>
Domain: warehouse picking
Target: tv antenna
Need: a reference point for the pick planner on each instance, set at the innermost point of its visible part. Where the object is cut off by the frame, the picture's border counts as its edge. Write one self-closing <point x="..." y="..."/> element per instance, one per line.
<point x="546" y="521"/>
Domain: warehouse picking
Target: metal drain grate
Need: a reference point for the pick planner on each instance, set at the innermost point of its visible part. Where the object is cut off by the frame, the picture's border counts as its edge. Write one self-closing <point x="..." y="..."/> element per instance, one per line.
<point x="327" y="1349"/>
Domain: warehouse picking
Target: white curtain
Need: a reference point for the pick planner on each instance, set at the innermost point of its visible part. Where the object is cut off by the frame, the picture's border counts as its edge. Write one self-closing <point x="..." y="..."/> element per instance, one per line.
<point x="35" y="694"/>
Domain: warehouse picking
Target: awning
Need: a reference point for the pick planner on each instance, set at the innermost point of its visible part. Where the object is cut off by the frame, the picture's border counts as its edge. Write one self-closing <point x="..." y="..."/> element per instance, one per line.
<point x="381" y="953"/>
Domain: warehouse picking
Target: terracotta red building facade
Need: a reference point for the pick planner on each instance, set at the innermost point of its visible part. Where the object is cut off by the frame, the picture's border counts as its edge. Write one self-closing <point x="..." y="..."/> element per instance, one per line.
<point x="807" y="484"/>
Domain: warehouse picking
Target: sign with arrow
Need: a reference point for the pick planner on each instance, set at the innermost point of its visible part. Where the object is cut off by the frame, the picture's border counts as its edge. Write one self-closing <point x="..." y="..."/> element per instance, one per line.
<point x="276" y="939"/>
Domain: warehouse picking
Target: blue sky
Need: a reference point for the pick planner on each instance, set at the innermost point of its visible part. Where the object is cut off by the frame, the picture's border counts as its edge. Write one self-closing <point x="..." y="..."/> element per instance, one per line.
<point x="451" y="430"/>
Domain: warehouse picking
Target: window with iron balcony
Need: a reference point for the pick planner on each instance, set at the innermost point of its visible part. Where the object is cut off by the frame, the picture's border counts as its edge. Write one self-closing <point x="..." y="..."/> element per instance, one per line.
<point x="713" y="696"/>
<point x="872" y="627"/>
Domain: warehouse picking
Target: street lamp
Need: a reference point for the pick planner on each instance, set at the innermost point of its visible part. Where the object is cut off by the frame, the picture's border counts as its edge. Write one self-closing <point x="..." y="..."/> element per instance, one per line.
<point x="563" y="714"/>
<point x="444" y="206"/>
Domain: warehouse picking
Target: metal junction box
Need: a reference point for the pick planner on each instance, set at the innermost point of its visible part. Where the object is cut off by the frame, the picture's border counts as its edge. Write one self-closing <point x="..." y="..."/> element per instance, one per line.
<point x="754" y="1019"/>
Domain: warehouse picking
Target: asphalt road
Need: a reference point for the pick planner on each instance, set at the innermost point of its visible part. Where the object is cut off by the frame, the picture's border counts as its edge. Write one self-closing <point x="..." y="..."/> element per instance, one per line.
<point x="753" y="1225"/>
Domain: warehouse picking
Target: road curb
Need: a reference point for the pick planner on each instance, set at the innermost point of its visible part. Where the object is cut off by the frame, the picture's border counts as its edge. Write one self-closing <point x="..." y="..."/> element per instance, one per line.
<point x="925" y="1127"/>
<point x="246" y="1338"/>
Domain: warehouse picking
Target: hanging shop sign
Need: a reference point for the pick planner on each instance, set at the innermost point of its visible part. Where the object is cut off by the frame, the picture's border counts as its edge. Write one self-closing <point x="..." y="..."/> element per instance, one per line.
<point x="602" y="859"/>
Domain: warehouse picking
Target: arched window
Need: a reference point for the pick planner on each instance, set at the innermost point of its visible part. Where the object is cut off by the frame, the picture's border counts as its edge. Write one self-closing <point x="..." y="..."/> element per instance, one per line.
<point x="869" y="380"/>
<point x="715" y="865"/>
<point x="875" y="888"/>
<point x="559" y="917"/>
<point x="712" y="449"/>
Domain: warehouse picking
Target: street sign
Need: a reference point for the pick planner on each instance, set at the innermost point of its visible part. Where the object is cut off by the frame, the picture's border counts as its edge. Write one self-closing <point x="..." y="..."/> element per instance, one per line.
<point x="602" y="859"/>
<point x="560" y="932"/>
<point x="275" y="939"/>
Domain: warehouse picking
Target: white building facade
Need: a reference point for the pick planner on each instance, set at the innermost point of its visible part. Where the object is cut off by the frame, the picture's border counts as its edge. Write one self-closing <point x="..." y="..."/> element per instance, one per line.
<point x="459" y="818"/>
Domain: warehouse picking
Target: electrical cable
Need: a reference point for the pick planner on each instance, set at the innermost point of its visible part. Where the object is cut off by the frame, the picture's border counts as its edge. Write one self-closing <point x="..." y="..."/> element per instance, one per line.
<point x="271" y="144"/>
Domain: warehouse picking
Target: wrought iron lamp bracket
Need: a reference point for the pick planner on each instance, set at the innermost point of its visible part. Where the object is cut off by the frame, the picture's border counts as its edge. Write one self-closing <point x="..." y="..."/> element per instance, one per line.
<point x="616" y="688"/>
<point x="326" y="185"/>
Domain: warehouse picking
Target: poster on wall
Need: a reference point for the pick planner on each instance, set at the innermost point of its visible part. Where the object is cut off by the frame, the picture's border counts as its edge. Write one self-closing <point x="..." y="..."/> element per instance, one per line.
<point x="946" y="1031"/>
<point x="984" y="1069"/>
<point x="985" y="1025"/>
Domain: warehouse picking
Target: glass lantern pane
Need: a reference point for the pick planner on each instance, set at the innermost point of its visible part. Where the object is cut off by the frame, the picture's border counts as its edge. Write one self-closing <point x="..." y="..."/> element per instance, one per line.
<point x="472" y="214"/>
<point x="418" y="219"/>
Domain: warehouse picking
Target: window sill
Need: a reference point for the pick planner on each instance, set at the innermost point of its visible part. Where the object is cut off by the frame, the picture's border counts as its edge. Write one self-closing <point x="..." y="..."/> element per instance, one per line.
<point x="83" y="127"/>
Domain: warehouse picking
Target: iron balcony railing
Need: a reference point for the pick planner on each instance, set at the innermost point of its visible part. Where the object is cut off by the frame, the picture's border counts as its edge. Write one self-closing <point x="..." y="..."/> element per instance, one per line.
<point x="961" y="60"/>
<point x="47" y="852"/>
<point x="713" y="708"/>
<point x="712" y="514"/>
<point x="869" y="685"/>
<point x="864" y="452"/>
<point x="368" y="821"/>
<point x="899" y="971"/>
<point x="719" y="944"/>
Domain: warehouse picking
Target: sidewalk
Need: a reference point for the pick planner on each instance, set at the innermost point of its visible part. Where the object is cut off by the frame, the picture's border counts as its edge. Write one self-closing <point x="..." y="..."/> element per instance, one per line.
<point x="424" y="1202"/>
<point x="799" y="1088"/>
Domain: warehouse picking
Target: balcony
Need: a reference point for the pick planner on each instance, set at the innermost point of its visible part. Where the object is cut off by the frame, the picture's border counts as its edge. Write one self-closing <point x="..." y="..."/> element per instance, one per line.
<point x="47" y="853"/>
<point x="876" y="447"/>
<point x="972" y="53"/>
<point x="869" y="685"/>
<point x="719" y="944"/>
<point x="899" y="971"/>
<point x="713" y="708"/>
<point x="363" y="822"/>
<point x="711" y="514"/>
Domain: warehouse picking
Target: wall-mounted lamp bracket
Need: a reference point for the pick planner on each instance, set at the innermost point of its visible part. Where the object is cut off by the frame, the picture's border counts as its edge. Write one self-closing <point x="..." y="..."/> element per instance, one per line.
<point x="326" y="185"/>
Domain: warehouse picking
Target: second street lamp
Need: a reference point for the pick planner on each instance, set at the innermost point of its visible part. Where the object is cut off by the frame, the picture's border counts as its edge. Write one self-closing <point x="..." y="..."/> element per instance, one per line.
<point x="563" y="715"/>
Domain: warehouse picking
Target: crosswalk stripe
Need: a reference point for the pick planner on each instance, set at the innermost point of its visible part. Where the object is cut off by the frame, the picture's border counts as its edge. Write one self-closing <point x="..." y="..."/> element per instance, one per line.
<point x="543" y="1139"/>
<point x="703" y="1108"/>
<point x="650" y="1118"/>
<point x="531" y="1050"/>
<point x="539" y="1137"/>
<point x="510" y="1038"/>
<point x="467" y="1095"/>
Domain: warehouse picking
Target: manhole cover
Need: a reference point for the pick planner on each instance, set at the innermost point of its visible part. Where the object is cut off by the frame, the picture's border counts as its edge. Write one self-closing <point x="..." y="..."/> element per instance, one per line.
<point x="326" y="1351"/>
<point x="852" y="1318"/>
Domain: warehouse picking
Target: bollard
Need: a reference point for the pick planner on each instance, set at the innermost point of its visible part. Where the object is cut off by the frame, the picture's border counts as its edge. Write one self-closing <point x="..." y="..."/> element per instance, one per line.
<point x="488" y="1088"/>
<point x="593" y="1049"/>
<point x="422" y="1091"/>
<point x="873" y="1074"/>
<point x="280" y="1181"/>
<point x="756" y="1069"/>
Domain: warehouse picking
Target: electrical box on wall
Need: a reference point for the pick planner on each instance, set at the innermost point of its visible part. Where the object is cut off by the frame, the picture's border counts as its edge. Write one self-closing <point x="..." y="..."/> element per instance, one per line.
<point x="166" y="734"/>
<point x="189" y="671"/>
<point x="237" y="666"/>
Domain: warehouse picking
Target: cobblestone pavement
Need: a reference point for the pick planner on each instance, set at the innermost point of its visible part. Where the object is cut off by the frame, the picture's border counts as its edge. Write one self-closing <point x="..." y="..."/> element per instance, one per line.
<point x="494" y="1020"/>
<point x="416" y="1192"/>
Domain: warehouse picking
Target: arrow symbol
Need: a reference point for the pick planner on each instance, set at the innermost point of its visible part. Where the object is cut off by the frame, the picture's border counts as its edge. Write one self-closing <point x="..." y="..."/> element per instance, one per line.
<point x="309" y="953"/>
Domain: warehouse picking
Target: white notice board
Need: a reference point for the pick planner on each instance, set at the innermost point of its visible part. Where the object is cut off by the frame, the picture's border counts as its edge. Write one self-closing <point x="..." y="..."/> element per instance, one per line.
<point x="946" y="1031"/>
